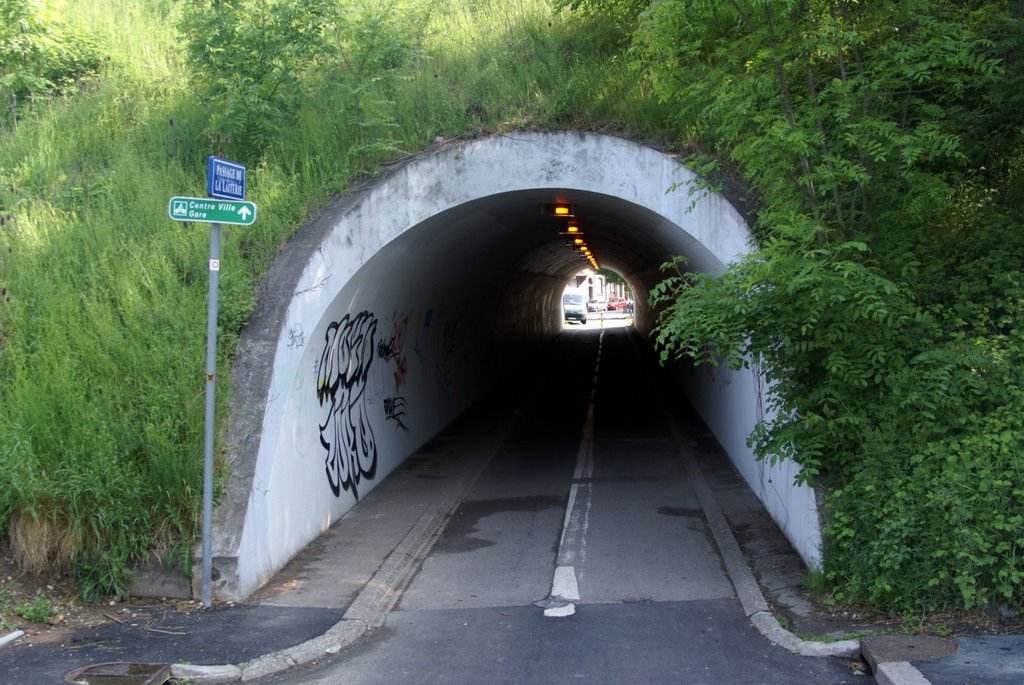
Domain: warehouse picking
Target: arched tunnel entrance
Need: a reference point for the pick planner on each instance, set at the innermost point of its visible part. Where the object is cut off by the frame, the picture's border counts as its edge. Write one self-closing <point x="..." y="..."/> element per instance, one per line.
<point x="400" y="305"/>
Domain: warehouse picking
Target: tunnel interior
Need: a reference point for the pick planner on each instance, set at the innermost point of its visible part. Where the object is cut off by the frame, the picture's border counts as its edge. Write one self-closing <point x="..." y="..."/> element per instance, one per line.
<point x="391" y="313"/>
<point x="510" y="252"/>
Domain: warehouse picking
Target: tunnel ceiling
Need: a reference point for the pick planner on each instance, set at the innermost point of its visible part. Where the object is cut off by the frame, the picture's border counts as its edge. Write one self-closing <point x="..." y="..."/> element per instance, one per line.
<point x="512" y="232"/>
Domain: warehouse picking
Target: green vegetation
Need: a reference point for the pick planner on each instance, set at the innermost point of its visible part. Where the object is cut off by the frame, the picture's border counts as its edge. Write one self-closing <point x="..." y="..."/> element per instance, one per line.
<point x="102" y="311"/>
<point x="882" y="144"/>
<point x="41" y="55"/>
<point x="37" y="611"/>
<point x="885" y="144"/>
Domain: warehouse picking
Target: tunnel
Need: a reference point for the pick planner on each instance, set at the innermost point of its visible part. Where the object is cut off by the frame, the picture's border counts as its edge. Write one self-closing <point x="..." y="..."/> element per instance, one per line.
<point x="399" y="305"/>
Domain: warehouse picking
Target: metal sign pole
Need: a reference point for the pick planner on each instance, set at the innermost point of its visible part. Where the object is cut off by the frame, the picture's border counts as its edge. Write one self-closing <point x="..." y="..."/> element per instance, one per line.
<point x="211" y="368"/>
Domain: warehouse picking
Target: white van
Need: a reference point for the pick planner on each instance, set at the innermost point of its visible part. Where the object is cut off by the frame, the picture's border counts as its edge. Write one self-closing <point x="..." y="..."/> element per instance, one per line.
<point x="574" y="306"/>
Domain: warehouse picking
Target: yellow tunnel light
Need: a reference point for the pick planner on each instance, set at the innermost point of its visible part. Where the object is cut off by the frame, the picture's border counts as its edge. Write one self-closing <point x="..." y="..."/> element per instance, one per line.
<point x="571" y="229"/>
<point x="560" y="210"/>
<point x="578" y="241"/>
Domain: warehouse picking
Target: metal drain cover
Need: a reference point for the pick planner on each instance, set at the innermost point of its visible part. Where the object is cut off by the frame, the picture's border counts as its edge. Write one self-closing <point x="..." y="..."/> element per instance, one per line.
<point x="120" y="673"/>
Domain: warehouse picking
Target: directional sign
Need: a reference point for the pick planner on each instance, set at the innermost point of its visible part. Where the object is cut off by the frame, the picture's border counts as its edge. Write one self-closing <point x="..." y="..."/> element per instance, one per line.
<point x="212" y="211"/>
<point x="224" y="179"/>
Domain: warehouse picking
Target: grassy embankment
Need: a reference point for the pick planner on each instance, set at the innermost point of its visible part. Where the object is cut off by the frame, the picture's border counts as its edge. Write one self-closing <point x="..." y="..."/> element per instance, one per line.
<point x="102" y="327"/>
<point x="882" y="143"/>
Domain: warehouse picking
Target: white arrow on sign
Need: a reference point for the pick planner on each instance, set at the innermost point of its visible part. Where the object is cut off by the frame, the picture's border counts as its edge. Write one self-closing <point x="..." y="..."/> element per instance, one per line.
<point x="244" y="212"/>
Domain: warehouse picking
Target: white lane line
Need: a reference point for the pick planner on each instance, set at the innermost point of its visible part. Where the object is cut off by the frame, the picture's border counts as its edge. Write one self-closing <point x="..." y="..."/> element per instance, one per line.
<point x="564" y="584"/>
<point x="560" y="612"/>
<point x="572" y="544"/>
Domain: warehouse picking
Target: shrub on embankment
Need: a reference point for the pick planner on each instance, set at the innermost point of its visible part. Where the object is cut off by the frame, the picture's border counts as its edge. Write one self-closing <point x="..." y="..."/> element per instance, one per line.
<point x="882" y="144"/>
<point x="885" y="145"/>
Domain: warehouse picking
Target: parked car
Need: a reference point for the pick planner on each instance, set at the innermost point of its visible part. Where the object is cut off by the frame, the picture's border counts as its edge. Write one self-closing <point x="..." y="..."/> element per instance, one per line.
<point x="574" y="307"/>
<point x="620" y="304"/>
<point x="596" y="305"/>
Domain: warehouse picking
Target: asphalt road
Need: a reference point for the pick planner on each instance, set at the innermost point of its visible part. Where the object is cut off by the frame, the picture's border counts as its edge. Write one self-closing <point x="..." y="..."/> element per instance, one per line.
<point x="580" y="554"/>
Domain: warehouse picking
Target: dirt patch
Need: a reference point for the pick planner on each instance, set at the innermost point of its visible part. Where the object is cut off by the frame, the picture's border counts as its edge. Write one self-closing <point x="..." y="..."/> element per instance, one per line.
<point x="49" y="609"/>
<point x="817" y="619"/>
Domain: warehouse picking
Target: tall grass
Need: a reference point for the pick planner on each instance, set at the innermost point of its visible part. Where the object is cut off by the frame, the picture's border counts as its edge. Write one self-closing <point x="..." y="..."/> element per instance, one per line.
<point x="102" y="325"/>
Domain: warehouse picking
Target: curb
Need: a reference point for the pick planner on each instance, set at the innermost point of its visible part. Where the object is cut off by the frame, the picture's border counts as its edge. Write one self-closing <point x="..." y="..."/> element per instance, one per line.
<point x="753" y="601"/>
<point x="887" y="655"/>
<point x="368" y="611"/>
<point x="754" y="604"/>
<point x="899" y="673"/>
<point x="11" y="637"/>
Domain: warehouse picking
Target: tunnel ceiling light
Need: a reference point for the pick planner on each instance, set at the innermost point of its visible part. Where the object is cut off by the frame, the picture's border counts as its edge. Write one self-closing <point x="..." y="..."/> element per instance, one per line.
<point x="571" y="229"/>
<point x="578" y="241"/>
<point x="560" y="210"/>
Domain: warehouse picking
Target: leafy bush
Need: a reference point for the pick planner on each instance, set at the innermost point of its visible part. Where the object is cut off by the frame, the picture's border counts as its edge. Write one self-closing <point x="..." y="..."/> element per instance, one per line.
<point x="261" y="59"/>
<point x="884" y="298"/>
<point x="40" y="53"/>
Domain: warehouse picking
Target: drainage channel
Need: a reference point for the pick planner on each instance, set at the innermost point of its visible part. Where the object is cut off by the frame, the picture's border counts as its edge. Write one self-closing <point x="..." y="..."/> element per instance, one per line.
<point x="119" y="673"/>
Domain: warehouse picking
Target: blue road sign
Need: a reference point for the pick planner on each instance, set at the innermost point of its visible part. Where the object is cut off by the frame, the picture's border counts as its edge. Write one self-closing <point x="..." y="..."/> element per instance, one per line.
<point x="224" y="179"/>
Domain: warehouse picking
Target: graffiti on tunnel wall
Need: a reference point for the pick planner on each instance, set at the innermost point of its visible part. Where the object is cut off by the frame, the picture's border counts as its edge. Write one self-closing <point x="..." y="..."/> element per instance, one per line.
<point x="392" y="352"/>
<point x="354" y="376"/>
<point x="342" y="374"/>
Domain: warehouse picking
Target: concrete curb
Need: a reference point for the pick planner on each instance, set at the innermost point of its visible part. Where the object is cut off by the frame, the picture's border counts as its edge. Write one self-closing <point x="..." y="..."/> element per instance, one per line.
<point x="899" y="673"/>
<point x="753" y="601"/>
<point x="368" y="611"/>
<point x="377" y="598"/>
<point x="11" y="637"/>
<point x="888" y="655"/>
<point x="380" y="594"/>
<point x="754" y="604"/>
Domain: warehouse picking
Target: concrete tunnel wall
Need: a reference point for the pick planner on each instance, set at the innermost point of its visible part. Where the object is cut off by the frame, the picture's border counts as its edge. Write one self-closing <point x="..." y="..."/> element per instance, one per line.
<point x="380" y="321"/>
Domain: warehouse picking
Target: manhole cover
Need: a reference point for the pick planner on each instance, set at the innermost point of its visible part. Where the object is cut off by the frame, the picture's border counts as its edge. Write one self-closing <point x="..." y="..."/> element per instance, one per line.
<point x="888" y="648"/>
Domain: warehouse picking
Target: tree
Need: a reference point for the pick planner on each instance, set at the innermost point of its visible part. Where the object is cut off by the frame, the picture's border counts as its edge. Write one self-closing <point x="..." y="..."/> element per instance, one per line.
<point x="250" y="57"/>
<point x="40" y="54"/>
<point x="879" y="140"/>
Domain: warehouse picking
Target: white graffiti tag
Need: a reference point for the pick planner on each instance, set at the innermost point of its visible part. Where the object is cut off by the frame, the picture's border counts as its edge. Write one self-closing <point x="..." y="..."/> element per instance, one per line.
<point x="346" y="434"/>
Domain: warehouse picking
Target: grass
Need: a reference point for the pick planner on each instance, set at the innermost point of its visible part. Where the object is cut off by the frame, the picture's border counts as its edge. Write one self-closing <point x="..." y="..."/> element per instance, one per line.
<point x="102" y="318"/>
<point x="36" y="611"/>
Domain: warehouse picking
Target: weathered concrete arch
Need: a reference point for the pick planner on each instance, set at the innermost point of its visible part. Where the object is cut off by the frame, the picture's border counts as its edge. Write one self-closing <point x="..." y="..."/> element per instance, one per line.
<point x="378" y="324"/>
